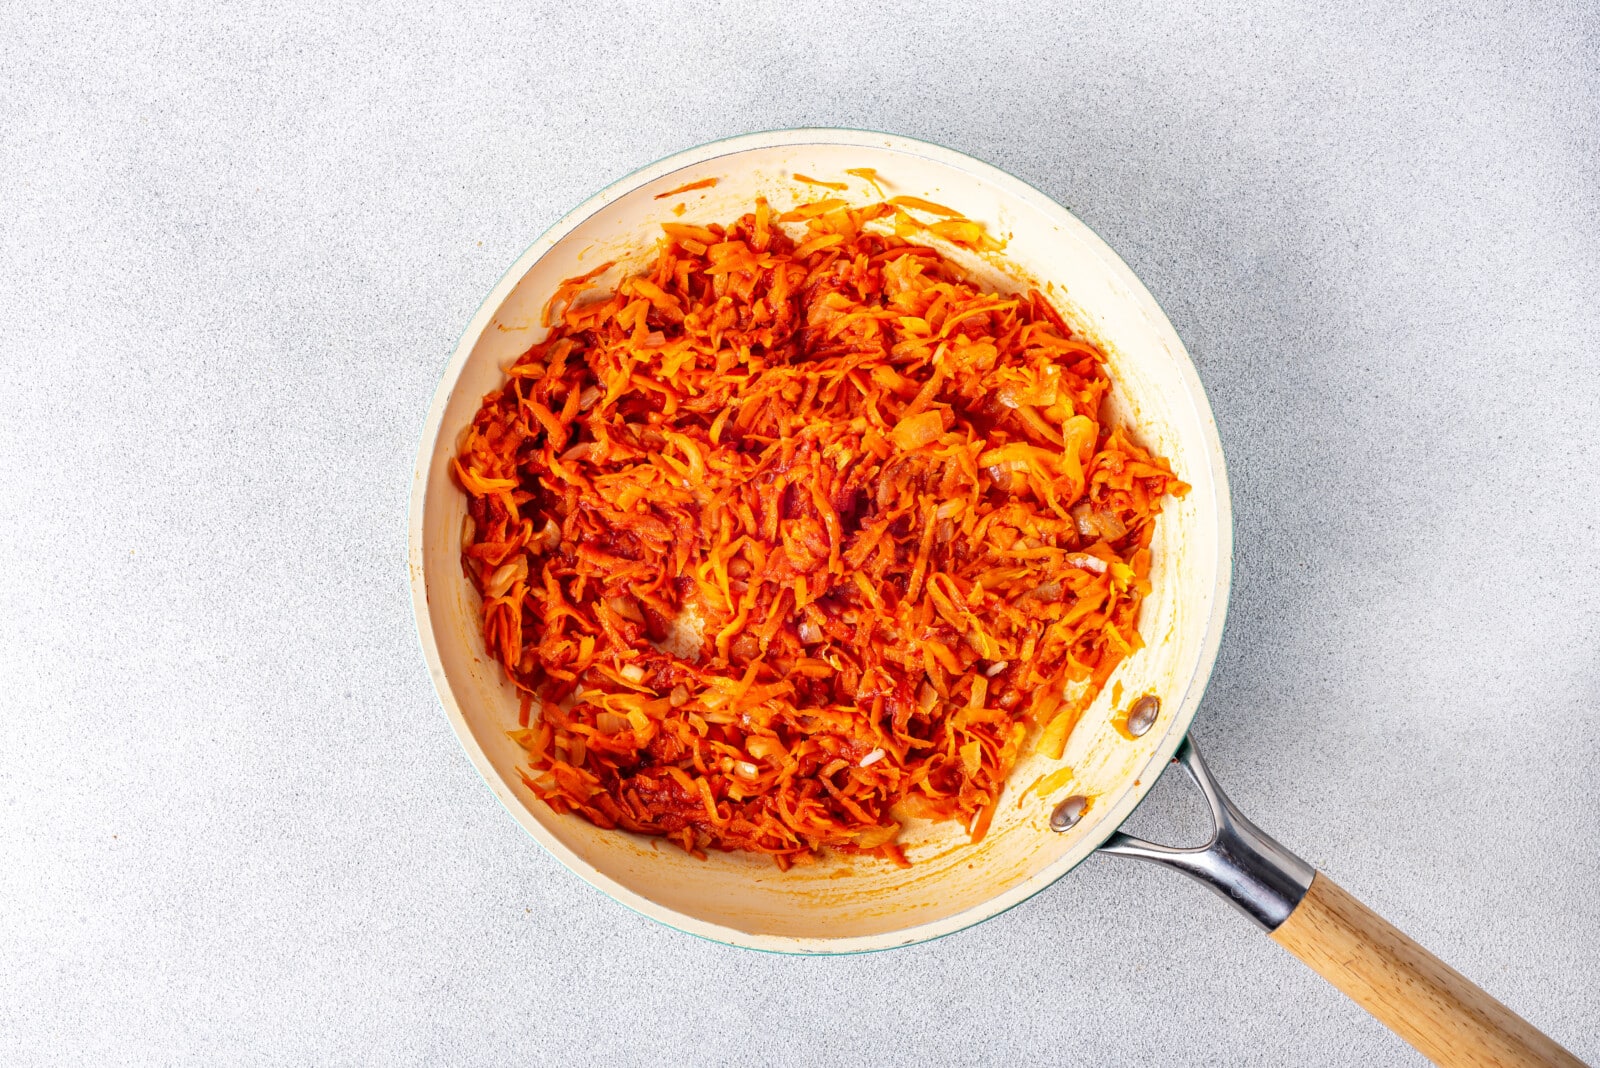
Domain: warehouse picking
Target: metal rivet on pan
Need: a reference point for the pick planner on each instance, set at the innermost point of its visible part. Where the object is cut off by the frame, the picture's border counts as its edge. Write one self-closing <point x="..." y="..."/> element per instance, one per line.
<point x="1068" y="813"/>
<point x="1142" y="716"/>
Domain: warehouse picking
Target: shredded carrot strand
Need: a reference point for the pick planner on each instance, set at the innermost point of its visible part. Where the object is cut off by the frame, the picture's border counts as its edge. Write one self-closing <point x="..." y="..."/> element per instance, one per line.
<point x="704" y="183"/>
<point x="924" y="205"/>
<point x="868" y="174"/>
<point x="841" y="186"/>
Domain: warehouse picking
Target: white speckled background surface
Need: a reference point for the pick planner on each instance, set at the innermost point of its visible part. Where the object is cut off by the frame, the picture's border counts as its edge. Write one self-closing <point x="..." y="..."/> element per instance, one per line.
<point x="236" y="250"/>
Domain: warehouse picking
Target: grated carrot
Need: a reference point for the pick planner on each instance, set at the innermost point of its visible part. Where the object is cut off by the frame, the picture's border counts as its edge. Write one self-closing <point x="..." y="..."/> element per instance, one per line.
<point x="799" y="529"/>
<point x="704" y="183"/>
<point x="840" y="186"/>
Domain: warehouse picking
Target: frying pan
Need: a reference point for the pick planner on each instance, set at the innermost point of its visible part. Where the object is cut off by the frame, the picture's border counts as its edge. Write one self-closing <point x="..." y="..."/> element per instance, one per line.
<point x="850" y="904"/>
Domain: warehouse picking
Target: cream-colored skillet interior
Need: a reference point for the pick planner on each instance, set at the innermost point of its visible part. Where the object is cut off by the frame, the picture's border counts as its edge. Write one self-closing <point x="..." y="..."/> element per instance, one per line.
<point x="849" y="903"/>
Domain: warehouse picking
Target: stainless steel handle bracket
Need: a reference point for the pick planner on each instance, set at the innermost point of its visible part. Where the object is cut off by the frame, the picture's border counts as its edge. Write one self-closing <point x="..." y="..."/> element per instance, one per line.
<point x="1243" y="864"/>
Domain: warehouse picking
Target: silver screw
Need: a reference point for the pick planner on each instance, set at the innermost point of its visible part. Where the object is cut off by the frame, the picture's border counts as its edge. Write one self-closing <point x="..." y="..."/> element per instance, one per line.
<point x="1068" y="813"/>
<point x="1142" y="716"/>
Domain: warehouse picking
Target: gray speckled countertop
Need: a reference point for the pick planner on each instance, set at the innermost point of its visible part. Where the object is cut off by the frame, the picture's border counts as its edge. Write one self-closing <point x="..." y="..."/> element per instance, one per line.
<point x="238" y="243"/>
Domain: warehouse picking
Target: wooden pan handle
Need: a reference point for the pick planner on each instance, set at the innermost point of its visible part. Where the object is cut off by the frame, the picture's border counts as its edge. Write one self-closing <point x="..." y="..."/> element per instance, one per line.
<point x="1413" y="993"/>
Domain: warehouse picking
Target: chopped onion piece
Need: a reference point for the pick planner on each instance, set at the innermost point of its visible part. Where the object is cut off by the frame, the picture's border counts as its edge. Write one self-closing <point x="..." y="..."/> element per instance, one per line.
<point x="873" y="837"/>
<point x="764" y="748"/>
<point x="626" y="607"/>
<point x="506" y="576"/>
<point x="1087" y="562"/>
